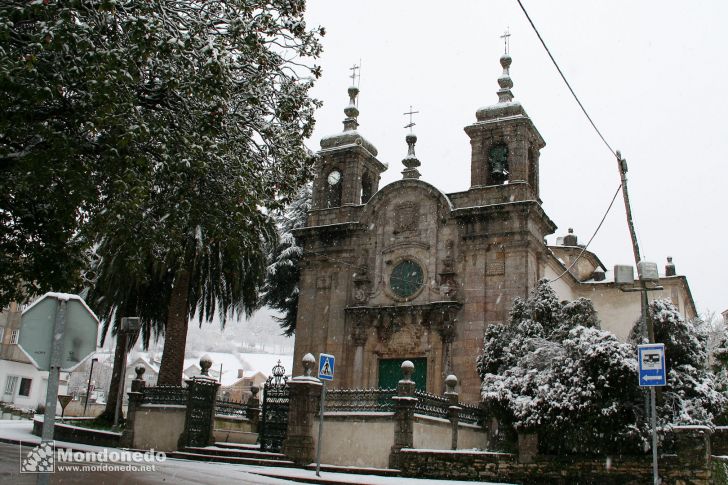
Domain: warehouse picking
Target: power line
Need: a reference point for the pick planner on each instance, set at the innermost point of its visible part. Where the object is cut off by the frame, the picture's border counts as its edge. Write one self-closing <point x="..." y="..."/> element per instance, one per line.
<point x="565" y="81"/>
<point x="613" y="152"/>
<point x="591" y="238"/>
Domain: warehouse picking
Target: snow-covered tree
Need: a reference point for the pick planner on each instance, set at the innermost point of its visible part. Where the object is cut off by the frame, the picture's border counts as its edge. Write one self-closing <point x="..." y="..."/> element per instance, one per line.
<point x="692" y="394"/>
<point x="551" y="370"/>
<point x="280" y="290"/>
<point x="69" y="129"/>
<point x="224" y="94"/>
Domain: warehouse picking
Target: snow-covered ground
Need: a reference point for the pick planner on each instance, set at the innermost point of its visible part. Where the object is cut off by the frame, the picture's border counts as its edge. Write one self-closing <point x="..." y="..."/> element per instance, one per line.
<point x="184" y="471"/>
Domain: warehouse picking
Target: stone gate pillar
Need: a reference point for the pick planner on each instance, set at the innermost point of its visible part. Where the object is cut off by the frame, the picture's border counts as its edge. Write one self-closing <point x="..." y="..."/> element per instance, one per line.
<point x="305" y="396"/>
<point x="454" y="408"/>
<point x="405" y="401"/>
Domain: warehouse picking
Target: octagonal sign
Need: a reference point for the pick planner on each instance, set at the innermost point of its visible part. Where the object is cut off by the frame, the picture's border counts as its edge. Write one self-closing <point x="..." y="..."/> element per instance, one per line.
<point x="79" y="336"/>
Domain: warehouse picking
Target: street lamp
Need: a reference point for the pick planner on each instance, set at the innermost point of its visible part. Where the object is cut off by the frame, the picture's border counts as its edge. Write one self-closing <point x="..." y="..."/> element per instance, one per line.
<point x="88" y="387"/>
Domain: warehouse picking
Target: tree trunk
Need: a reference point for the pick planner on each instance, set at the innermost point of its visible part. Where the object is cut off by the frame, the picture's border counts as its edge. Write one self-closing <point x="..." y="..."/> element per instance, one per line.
<point x="175" y="333"/>
<point x="108" y="414"/>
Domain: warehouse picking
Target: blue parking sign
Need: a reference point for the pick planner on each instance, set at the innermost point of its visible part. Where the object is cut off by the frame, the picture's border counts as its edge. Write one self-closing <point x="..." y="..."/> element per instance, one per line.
<point x="651" y="359"/>
<point x="326" y="367"/>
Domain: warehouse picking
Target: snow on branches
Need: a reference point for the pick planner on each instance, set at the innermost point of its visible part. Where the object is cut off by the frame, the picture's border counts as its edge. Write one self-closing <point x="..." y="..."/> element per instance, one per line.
<point x="553" y="371"/>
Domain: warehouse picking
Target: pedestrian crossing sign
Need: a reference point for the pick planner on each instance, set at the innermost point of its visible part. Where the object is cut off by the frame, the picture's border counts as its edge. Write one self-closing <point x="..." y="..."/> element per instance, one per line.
<point x="326" y="367"/>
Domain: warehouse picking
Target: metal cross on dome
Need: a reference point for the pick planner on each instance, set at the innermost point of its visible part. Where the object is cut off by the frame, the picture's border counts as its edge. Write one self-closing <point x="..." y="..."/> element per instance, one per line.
<point x="506" y="39"/>
<point x="411" y="123"/>
<point x="353" y="70"/>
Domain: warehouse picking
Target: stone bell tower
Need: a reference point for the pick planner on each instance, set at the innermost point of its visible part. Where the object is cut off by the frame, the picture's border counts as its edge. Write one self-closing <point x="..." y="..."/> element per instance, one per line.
<point x="348" y="171"/>
<point x="505" y="143"/>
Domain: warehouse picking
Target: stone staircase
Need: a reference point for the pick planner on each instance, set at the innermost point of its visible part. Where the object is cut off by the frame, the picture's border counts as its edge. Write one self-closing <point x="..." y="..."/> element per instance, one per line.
<point x="243" y="454"/>
<point x="250" y="454"/>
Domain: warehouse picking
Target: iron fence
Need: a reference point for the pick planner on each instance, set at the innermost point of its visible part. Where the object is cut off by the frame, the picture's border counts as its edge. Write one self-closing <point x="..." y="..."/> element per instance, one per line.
<point x="175" y="395"/>
<point x="431" y="405"/>
<point x="223" y="407"/>
<point x="360" y="400"/>
<point x="470" y="413"/>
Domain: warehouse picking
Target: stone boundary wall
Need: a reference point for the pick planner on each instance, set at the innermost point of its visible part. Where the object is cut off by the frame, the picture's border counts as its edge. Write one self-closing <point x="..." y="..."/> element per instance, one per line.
<point x="689" y="462"/>
<point x="158" y="426"/>
<point x="356" y="439"/>
<point x="548" y="470"/>
<point x="67" y="431"/>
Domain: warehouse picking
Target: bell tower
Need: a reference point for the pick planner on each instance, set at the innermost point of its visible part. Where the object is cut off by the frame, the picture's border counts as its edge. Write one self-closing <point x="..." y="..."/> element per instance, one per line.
<point x="348" y="172"/>
<point x="505" y="143"/>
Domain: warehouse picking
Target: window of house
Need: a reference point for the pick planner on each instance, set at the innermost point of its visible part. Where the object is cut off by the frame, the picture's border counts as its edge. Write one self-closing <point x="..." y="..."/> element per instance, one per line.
<point x="24" y="387"/>
<point x="10" y="384"/>
<point x="14" y="336"/>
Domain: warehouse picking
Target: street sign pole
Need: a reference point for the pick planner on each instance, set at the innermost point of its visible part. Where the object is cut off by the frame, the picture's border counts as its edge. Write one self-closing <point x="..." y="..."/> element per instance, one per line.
<point x="653" y="406"/>
<point x="652" y="373"/>
<point x="327" y="365"/>
<point x="54" y="374"/>
<point x="321" y="430"/>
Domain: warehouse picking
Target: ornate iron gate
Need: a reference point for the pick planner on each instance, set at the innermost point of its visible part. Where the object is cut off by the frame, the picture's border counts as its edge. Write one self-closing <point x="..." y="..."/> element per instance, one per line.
<point x="276" y="397"/>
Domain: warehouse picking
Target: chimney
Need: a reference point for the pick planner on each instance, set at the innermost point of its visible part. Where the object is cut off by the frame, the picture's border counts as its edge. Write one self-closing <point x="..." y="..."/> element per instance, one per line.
<point x="669" y="267"/>
<point x="241" y="373"/>
<point x="570" y="239"/>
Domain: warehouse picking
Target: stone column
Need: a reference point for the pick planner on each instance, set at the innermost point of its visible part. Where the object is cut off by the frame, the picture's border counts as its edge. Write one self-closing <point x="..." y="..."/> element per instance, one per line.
<point x="692" y="445"/>
<point x="305" y="396"/>
<point x="135" y="400"/>
<point x="404" y="402"/>
<point x="454" y="408"/>
<point x="252" y="409"/>
<point x="359" y="337"/>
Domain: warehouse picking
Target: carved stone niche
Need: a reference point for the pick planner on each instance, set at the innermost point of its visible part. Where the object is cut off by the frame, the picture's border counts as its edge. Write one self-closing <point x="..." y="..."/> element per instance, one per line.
<point x="362" y="281"/>
<point x="448" y="284"/>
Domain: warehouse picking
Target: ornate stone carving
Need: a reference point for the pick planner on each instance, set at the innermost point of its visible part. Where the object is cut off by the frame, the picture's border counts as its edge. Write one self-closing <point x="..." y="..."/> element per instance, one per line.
<point x="406" y="217"/>
<point x="389" y="320"/>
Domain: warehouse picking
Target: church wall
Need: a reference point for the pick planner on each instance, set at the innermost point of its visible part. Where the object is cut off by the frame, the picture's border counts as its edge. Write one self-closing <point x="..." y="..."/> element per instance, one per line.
<point x="618" y="310"/>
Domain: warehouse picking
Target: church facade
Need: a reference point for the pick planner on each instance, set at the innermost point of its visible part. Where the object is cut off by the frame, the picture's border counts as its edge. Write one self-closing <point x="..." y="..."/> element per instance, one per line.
<point x="408" y="272"/>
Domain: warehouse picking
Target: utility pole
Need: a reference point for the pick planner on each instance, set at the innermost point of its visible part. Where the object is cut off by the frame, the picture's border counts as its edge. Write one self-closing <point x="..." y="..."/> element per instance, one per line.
<point x="646" y="321"/>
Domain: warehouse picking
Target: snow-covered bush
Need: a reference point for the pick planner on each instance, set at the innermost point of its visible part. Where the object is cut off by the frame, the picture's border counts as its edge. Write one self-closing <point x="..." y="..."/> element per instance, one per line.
<point x="692" y="394"/>
<point x="551" y="370"/>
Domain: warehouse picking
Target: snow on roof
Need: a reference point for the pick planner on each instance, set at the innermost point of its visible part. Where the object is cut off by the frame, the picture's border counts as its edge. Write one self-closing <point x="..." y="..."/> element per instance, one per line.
<point x="145" y="359"/>
<point x="264" y="363"/>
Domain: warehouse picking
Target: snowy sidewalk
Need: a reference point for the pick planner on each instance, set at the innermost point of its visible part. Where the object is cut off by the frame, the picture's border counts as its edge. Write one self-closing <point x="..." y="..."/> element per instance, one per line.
<point x="185" y="471"/>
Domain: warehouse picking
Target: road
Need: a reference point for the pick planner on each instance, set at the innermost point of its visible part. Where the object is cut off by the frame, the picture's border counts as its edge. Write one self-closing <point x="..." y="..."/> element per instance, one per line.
<point x="169" y="472"/>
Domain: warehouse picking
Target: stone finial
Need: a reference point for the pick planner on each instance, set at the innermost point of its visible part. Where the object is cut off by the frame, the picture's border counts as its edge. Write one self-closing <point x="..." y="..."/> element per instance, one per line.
<point x="504" y="81"/>
<point x="254" y="390"/>
<point x="308" y="363"/>
<point x="670" y="267"/>
<point x="205" y="364"/>
<point x="407" y="369"/>
<point x="410" y="161"/>
<point x="140" y="369"/>
<point x="450" y="382"/>
<point x="571" y="239"/>
<point x="352" y="112"/>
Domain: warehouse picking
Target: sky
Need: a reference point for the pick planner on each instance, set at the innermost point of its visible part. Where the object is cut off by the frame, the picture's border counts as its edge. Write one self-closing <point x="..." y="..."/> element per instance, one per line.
<point x="651" y="74"/>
